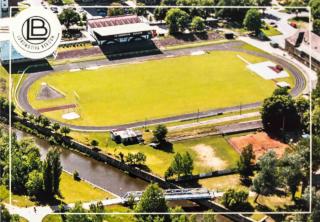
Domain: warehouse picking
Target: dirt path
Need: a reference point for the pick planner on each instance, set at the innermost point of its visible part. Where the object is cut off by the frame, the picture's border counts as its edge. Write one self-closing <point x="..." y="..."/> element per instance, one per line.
<point x="206" y="155"/>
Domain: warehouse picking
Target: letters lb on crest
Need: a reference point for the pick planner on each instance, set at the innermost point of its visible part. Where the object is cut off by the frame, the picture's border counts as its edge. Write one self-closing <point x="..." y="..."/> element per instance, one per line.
<point x="36" y="33"/>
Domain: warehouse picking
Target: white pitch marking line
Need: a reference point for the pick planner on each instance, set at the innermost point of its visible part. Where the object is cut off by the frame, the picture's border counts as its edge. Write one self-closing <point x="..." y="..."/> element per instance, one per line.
<point x="244" y="60"/>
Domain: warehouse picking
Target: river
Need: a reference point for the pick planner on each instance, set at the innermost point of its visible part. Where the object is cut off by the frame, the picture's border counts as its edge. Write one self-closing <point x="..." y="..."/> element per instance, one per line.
<point x="98" y="173"/>
<point x="103" y="175"/>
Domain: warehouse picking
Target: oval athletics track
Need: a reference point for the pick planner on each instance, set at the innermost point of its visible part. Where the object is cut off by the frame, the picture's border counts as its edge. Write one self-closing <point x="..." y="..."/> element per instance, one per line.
<point x="300" y="84"/>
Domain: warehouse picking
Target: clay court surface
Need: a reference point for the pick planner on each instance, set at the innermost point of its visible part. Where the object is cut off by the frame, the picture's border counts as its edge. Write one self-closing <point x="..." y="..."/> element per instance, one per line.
<point x="261" y="143"/>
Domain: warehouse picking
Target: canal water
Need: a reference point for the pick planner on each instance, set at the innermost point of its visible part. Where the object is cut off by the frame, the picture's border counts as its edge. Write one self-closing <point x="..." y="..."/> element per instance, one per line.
<point x="98" y="173"/>
<point x="103" y="175"/>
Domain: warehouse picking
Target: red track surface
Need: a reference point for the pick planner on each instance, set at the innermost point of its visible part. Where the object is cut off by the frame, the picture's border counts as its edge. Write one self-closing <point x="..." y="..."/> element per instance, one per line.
<point x="54" y="108"/>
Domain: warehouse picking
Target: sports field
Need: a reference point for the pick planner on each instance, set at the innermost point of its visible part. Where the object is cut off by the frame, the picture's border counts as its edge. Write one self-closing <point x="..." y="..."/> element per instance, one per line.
<point x="159" y="88"/>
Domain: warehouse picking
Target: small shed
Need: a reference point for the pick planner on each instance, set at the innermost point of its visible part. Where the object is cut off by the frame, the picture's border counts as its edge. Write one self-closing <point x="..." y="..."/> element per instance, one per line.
<point x="283" y="85"/>
<point x="126" y="136"/>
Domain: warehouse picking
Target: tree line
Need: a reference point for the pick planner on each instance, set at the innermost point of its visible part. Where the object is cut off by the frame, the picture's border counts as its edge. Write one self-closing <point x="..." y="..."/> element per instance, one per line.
<point x="30" y="175"/>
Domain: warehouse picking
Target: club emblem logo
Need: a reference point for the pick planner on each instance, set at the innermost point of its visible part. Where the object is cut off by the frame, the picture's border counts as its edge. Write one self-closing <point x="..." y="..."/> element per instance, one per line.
<point x="36" y="33"/>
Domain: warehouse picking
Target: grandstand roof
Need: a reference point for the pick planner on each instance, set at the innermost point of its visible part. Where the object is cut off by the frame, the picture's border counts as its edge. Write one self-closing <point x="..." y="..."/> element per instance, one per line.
<point x="118" y="25"/>
<point x="113" y="21"/>
<point x="123" y="29"/>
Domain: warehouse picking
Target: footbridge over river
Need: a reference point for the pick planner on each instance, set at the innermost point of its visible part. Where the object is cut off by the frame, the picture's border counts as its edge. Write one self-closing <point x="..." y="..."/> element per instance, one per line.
<point x="169" y="195"/>
<point x="178" y="194"/>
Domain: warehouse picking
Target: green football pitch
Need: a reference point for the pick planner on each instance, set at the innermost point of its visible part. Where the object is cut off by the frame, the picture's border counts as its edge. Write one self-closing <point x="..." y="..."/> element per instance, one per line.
<point x="154" y="89"/>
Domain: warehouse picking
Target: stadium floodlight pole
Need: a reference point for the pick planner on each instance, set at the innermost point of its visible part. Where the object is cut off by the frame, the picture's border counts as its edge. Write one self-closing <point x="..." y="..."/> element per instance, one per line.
<point x="198" y="115"/>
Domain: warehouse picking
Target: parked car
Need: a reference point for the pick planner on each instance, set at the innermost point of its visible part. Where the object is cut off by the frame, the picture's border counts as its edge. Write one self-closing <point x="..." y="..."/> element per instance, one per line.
<point x="294" y="25"/>
<point x="54" y="9"/>
<point x="274" y="44"/>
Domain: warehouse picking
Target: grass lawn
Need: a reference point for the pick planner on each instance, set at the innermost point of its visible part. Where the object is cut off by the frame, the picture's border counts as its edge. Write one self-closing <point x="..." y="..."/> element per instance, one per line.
<point x="222" y="183"/>
<point x="72" y="191"/>
<point x="107" y="217"/>
<point x="270" y="31"/>
<point x="159" y="160"/>
<point x="171" y="86"/>
<point x="68" y="2"/>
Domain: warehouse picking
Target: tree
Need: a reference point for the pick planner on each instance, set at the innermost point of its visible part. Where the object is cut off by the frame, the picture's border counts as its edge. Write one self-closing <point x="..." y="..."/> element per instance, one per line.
<point x="55" y="2"/>
<point x="235" y="200"/>
<point x="268" y="177"/>
<point x="77" y="214"/>
<point x="56" y="127"/>
<point x="264" y="2"/>
<point x="197" y="24"/>
<point x="235" y="14"/>
<point x="252" y="21"/>
<point x="187" y="164"/>
<point x="94" y="143"/>
<point x="180" y="165"/>
<point x="45" y="121"/>
<point x="316" y="26"/>
<point x="24" y="114"/>
<point x="283" y="91"/>
<point x="141" y="11"/>
<point x="209" y="217"/>
<point x="175" y="217"/>
<point x="34" y="184"/>
<point x="177" y="20"/>
<point x="152" y="200"/>
<point x="69" y="17"/>
<point x="52" y="170"/>
<point x="115" y="9"/>
<point x="160" y="13"/>
<point x="76" y="175"/>
<point x="160" y="133"/>
<point x="4" y="214"/>
<point x="315" y="8"/>
<point x="245" y="163"/>
<point x="296" y="3"/>
<point x="98" y="209"/>
<point x="136" y="159"/>
<point x="291" y="166"/>
<point x="65" y="130"/>
<point x="280" y="114"/>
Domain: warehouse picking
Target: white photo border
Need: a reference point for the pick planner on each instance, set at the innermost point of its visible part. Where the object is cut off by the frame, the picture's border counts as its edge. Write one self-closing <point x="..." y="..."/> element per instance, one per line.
<point x="185" y="213"/>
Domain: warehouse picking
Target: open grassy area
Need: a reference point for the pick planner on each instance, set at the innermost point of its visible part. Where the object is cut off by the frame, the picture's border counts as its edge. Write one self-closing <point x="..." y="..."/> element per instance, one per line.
<point x="71" y="191"/>
<point x="222" y="183"/>
<point x="107" y="217"/>
<point x="68" y="2"/>
<point x="270" y="31"/>
<point x="158" y="160"/>
<point x="171" y="86"/>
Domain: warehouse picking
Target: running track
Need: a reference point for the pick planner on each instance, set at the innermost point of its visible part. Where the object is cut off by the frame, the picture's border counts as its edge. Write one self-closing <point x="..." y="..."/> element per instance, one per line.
<point x="231" y="46"/>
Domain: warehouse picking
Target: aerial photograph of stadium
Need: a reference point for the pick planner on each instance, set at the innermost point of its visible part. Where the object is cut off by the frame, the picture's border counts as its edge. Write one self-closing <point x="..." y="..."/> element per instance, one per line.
<point x="161" y="111"/>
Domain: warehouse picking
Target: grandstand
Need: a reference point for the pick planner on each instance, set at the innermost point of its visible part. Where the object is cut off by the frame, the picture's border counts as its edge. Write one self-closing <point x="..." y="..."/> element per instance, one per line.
<point x="119" y="29"/>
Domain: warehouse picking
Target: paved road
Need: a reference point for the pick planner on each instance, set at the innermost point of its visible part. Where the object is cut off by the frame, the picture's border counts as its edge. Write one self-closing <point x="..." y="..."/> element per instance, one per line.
<point x="231" y="46"/>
